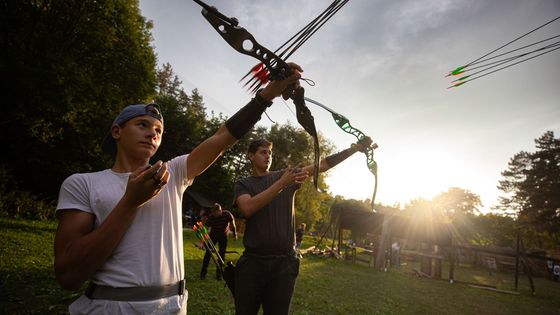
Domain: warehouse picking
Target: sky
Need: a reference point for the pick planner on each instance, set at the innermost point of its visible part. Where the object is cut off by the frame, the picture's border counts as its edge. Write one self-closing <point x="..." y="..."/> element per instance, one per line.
<point x="382" y="64"/>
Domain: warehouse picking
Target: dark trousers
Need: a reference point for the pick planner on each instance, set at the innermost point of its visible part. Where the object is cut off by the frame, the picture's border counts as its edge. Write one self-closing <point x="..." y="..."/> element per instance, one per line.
<point x="265" y="281"/>
<point x="221" y="242"/>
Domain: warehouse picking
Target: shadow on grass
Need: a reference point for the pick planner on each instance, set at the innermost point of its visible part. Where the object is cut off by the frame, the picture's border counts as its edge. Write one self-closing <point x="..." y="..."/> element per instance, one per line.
<point x="33" y="291"/>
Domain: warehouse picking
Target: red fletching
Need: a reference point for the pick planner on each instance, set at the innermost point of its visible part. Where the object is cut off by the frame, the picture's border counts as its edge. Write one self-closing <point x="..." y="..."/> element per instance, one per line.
<point x="262" y="75"/>
<point x="258" y="67"/>
<point x="258" y="77"/>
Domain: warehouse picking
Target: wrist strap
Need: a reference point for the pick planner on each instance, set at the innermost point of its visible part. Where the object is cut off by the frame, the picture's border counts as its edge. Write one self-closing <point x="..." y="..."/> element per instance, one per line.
<point x="335" y="159"/>
<point x="244" y="120"/>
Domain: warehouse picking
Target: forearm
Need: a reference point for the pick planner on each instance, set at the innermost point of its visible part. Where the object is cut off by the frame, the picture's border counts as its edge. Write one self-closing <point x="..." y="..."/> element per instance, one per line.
<point x="208" y="151"/>
<point x="79" y="255"/>
<point x="251" y="205"/>
<point x="335" y="159"/>
<point x="233" y="226"/>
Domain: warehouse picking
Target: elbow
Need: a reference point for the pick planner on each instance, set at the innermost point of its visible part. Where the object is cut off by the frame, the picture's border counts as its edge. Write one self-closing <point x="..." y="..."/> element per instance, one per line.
<point x="68" y="284"/>
<point x="67" y="281"/>
<point x="246" y="212"/>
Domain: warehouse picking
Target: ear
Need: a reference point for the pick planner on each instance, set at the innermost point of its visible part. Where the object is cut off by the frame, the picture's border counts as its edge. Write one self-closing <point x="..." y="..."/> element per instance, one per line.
<point x="116" y="132"/>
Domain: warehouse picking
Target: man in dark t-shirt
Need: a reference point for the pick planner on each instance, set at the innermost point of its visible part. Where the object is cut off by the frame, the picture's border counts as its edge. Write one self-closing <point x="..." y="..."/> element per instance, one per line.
<point x="220" y="222"/>
<point x="266" y="272"/>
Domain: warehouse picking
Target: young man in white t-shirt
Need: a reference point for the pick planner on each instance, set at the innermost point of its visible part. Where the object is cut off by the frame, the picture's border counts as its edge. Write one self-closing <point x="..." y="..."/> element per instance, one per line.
<point x="121" y="228"/>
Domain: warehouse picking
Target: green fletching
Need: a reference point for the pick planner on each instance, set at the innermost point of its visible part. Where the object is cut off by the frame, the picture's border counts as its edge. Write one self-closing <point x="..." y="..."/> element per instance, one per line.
<point x="458" y="70"/>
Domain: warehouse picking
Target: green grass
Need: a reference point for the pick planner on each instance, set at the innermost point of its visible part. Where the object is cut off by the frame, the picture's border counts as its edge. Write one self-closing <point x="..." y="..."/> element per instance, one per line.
<point x="325" y="285"/>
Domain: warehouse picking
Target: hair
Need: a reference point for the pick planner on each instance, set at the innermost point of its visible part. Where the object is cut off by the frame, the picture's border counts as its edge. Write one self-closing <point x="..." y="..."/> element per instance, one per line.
<point x="216" y="207"/>
<point x="256" y="144"/>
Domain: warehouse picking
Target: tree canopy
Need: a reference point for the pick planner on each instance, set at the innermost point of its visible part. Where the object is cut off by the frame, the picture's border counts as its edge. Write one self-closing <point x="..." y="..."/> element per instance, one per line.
<point x="72" y="65"/>
<point x="532" y="186"/>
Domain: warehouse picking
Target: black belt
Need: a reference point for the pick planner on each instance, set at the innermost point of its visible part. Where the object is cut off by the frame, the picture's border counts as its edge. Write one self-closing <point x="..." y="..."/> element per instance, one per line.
<point x="269" y="252"/>
<point x="101" y="292"/>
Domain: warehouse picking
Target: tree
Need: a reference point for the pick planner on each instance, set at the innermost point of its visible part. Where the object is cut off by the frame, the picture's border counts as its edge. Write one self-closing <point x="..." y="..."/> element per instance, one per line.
<point x="532" y="186"/>
<point x="456" y="201"/>
<point x="422" y="211"/>
<point x="493" y="229"/>
<point x="72" y="65"/>
<point x="456" y="206"/>
<point x="69" y="67"/>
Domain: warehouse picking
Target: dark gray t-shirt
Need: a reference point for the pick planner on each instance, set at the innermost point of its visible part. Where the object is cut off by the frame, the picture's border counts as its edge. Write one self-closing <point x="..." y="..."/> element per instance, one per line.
<point x="272" y="227"/>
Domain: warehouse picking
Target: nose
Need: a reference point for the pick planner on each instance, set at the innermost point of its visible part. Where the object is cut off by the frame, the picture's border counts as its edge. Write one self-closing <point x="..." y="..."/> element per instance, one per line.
<point x="153" y="133"/>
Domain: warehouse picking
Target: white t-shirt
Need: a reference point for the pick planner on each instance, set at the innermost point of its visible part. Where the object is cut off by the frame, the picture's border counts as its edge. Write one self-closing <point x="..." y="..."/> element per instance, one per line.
<point x="151" y="251"/>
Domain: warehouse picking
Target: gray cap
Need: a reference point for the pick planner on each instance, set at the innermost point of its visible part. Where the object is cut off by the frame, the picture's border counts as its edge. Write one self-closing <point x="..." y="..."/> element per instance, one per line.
<point x="131" y="111"/>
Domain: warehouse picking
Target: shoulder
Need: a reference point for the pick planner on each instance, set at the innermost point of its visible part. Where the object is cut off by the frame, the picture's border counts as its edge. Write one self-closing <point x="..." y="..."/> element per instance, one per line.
<point x="177" y="167"/>
<point x="178" y="161"/>
<point x="77" y="190"/>
<point x="84" y="178"/>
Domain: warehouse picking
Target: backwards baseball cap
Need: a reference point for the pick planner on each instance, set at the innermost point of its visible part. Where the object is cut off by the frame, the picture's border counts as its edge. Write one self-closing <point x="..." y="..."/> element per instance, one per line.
<point x="131" y="111"/>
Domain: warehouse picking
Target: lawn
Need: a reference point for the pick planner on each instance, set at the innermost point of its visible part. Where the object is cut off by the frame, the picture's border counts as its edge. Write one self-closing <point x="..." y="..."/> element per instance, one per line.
<point x="325" y="285"/>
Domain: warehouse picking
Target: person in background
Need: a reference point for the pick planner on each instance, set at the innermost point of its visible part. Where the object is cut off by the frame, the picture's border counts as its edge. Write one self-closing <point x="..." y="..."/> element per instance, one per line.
<point x="299" y="238"/>
<point x="396" y="253"/>
<point x="220" y="223"/>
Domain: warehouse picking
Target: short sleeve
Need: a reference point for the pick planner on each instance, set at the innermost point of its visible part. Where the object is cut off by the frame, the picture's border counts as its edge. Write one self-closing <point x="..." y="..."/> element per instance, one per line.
<point x="74" y="194"/>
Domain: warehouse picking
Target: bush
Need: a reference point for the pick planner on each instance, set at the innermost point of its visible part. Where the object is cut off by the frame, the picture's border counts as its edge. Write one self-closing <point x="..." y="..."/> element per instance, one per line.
<point x="19" y="204"/>
<point x="24" y="205"/>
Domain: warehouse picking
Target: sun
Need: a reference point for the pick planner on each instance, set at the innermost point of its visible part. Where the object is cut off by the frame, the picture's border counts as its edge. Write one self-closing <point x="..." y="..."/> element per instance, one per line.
<point x="402" y="176"/>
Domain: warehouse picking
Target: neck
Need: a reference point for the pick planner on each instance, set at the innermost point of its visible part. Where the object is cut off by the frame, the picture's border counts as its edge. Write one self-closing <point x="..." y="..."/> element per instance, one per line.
<point x="126" y="164"/>
<point x="260" y="172"/>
